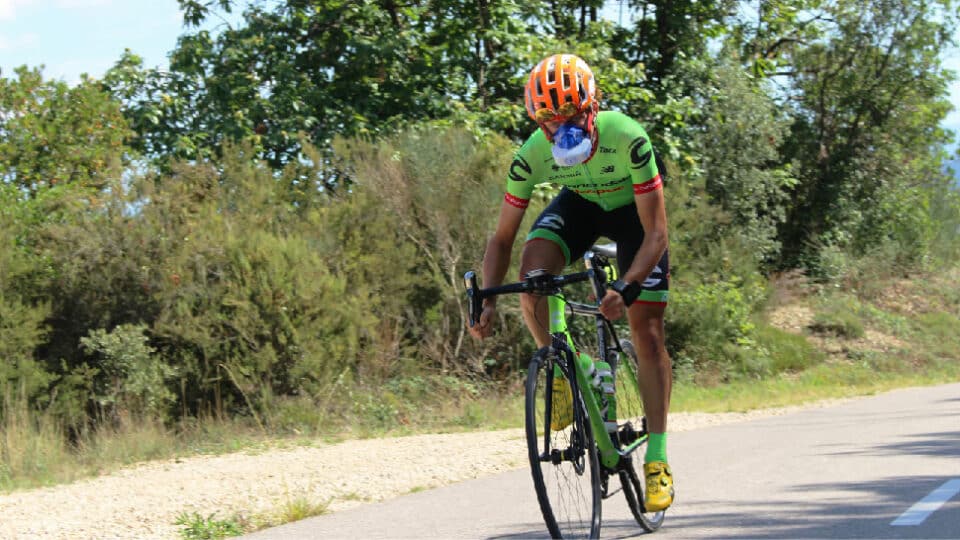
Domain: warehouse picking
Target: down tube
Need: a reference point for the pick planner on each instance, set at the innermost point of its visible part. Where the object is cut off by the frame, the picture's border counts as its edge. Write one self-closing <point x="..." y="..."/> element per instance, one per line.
<point x="609" y="455"/>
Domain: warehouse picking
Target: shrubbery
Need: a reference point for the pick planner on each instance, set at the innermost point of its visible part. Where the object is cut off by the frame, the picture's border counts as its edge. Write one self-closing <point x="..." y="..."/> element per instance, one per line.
<point x="215" y="291"/>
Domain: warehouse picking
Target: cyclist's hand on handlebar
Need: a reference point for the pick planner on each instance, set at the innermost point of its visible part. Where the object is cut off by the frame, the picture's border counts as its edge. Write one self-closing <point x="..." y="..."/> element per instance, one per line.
<point x="612" y="306"/>
<point x="483" y="328"/>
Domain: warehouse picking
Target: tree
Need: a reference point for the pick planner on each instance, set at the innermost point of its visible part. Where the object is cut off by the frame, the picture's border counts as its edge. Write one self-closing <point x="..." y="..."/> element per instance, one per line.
<point x="363" y="68"/>
<point x="52" y="133"/>
<point x="666" y="31"/>
<point x="866" y="97"/>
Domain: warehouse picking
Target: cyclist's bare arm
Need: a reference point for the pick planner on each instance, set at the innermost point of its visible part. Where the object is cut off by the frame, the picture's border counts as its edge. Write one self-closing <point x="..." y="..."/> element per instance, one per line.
<point x="496" y="261"/>
<point x="653" y="217"/>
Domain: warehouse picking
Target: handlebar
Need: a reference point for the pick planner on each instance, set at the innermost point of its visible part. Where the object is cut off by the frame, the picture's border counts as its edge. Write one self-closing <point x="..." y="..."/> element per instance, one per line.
<point x="535" y="283"/>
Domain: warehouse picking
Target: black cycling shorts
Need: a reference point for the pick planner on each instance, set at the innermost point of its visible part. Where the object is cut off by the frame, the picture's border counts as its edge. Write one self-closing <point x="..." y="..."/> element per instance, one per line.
<point x="575" y="223"/>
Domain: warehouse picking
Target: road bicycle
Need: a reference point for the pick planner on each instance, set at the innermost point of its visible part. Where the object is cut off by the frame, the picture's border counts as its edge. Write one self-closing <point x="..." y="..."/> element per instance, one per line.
<point x="572" y="464"/>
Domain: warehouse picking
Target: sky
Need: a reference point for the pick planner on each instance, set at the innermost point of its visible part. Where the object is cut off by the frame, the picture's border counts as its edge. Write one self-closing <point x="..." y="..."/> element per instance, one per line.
<point x="70" y="37"/>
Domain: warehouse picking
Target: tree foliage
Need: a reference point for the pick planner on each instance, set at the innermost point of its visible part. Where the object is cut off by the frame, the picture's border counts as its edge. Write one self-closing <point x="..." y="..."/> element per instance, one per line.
<point x="869" y="93"/>
<point x="287" y="210"/>
<point x="53" y="134"/>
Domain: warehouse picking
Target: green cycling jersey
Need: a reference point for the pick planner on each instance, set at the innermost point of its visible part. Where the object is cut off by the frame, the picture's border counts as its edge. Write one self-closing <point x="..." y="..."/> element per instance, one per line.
<point x="621" y="166"/>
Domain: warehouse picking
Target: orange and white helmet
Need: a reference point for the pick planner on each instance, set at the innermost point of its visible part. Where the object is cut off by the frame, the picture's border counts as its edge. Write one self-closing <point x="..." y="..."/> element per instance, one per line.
<point x="561" y="86"/>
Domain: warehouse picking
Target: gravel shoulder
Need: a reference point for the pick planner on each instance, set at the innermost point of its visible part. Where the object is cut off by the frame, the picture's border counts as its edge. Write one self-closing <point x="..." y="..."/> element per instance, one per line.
<point x="144" y="501"/>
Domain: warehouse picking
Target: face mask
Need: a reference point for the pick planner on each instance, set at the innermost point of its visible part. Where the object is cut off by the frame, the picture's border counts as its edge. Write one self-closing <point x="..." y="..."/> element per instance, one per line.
<point x="571" y="145"/>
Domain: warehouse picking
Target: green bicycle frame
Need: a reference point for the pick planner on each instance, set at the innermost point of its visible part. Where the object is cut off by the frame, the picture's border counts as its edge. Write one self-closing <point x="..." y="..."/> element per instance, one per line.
<point x="609" y="454"/>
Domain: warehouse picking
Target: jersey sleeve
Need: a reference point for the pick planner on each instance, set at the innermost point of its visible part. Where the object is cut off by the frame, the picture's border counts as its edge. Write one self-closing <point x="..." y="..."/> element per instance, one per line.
<point x="643" y="165"/>
<point x="522" y="176"/>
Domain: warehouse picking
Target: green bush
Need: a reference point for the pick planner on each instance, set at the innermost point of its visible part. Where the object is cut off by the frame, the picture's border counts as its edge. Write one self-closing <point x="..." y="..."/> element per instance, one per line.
<point x="945" y="213"/>
<point x="22" y="330"/>
<point x="940" y="334"/>
<point x="785" y="351"/>
<point x="252" y="302"/>
<point x="134" y="379"/>
<point x="710" y="328"/>
<point x="23" y="321"/>
<point x="441" y="188"/>
<point x="738" y="151"/>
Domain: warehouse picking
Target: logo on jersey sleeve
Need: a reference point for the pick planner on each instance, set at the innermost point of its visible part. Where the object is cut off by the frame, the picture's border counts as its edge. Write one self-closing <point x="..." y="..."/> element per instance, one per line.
<point x="520" y="170"/>
<point x="638" y="160"/>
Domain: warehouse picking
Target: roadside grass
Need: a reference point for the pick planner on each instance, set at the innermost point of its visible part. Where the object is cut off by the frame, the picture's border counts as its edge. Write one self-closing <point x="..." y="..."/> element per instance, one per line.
<point x="35" y="452"/>
<point x="195" y="526"/>
<point x="292" y="509"/>
<point x="32" y="447"/>
<point x="822" y="382"/>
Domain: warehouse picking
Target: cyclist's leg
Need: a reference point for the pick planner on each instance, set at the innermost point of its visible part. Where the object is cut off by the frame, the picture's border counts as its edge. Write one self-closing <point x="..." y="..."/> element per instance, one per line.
<point x="655" y="374"/>
<point x="646" y="317"/>
<point x="561" y="234"/>
<point x="656" y="381"/>
<point x="543" y="254"/>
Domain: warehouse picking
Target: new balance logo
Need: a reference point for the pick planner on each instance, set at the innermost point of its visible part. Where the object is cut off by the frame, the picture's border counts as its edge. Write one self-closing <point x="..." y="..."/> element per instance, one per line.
<point x="607" y="169"/>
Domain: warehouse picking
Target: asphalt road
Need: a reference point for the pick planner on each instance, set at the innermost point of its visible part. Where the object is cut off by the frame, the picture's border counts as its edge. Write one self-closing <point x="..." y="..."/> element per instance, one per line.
<point x="886" y="466"/>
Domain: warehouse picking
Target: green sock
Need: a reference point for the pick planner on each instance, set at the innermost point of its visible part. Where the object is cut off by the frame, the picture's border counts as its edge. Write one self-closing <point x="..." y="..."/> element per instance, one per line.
<point x="656" y="448"/>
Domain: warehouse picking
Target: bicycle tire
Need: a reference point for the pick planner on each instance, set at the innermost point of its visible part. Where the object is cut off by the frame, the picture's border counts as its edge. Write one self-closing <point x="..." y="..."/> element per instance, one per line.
<point x="568" y="490"/>
<point x="630" y="411"/>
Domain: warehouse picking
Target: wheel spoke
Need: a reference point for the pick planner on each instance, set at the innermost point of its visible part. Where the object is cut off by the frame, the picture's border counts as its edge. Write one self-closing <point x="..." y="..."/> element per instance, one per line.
<point x="568" y="489"/>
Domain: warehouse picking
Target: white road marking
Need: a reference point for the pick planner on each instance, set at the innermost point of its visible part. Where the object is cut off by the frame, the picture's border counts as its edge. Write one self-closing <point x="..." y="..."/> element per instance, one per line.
<point x="929" y="504"/>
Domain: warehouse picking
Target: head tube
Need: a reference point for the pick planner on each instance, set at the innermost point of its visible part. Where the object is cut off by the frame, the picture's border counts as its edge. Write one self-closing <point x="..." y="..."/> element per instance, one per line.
<point x="558" y="316"/>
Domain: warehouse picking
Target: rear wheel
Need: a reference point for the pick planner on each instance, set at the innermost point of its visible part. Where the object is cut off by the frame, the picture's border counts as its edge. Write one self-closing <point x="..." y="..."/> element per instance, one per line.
<point x="563" y="463"/>
<point x="631" y="421"/>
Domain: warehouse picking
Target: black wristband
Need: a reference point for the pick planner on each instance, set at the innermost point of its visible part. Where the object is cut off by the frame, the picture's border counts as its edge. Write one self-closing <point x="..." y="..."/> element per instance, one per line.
<point x="629" y="291"/>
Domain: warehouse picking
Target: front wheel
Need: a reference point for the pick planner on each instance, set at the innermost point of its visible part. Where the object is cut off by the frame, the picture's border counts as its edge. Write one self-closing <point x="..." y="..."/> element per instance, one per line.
<point x="630" y="417"/>
<point x="563" y="462"/>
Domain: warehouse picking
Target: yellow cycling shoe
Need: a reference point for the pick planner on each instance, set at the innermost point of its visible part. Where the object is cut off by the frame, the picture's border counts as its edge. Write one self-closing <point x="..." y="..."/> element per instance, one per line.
<point x="659" y="494"/>
<point x="561" y="409"/>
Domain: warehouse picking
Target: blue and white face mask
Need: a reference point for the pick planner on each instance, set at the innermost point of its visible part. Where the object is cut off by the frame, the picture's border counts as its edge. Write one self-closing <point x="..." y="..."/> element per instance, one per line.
<point x="571" y="145"/>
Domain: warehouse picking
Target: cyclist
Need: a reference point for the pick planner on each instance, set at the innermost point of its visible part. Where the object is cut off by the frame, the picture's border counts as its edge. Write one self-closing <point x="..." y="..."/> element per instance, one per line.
<point x="611" y="186"/>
